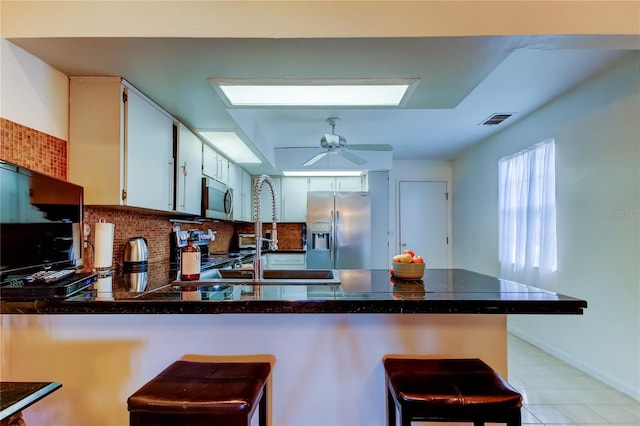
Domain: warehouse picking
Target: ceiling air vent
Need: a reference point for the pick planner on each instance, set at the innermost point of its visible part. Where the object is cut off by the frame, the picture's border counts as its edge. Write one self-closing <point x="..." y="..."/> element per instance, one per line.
<point x="495" y="119"/>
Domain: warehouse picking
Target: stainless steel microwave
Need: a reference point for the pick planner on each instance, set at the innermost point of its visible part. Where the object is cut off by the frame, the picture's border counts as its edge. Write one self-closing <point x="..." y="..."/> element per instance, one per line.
<point x="217" y="200"/>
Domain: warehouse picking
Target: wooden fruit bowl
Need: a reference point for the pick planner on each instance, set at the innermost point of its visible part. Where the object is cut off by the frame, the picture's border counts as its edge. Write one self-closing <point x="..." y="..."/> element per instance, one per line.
<point x="408" y="271"/>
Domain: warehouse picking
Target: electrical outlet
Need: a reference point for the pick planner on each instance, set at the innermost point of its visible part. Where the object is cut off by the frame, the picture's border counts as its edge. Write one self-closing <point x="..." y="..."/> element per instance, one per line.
<point x="87" y="231"/>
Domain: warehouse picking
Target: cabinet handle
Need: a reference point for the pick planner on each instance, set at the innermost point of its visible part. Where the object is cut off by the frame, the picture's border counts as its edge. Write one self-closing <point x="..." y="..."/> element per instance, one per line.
<point x="171" y="183"/>
<point x="184" y="186"/>
<point x="336" y="238"/>
<point x="332" y="231"/>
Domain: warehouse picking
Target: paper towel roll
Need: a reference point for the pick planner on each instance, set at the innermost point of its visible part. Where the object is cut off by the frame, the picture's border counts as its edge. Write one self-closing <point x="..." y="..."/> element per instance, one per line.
<point x="104" y="287"/>
<point x="104" y="245"/>
<point x="104" y="284"/>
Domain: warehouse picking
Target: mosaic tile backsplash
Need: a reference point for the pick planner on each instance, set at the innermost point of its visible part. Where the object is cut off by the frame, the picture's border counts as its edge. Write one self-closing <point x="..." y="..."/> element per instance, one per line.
<point x="46" y="154"/>
<point x="33" y="149"/>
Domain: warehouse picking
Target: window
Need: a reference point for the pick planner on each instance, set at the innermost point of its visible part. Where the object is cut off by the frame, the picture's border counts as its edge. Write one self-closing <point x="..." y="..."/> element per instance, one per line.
<point x="527" y="215"/>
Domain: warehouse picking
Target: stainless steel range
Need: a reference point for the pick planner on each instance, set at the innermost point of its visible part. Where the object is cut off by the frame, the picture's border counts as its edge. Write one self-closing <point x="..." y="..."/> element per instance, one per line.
<point x="200" y="238"/>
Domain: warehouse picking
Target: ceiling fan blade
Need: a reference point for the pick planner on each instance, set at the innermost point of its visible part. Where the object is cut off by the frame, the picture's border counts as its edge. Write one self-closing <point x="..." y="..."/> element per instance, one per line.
<point x="353" y="158"/>
<point x="315" y="158"/>
<point x="370" y="147"/>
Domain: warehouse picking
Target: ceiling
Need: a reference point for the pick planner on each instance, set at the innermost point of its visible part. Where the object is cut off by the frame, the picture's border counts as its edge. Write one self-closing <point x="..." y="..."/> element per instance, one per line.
<point x="462" y="81"/>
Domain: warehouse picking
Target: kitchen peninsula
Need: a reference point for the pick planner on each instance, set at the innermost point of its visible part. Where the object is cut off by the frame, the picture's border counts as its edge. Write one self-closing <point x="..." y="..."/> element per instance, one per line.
<point x="326" y="360"/>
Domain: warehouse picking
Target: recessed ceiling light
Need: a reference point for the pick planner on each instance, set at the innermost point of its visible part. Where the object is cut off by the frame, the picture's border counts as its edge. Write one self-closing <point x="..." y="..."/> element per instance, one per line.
<point x="295" y="92"/>
<point x="323" y="173"/>
<point x="230" y="145"/>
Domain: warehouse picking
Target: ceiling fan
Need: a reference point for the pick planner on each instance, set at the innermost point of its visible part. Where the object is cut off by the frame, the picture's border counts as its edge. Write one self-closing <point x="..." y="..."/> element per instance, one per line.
<point x="336" y="144"/>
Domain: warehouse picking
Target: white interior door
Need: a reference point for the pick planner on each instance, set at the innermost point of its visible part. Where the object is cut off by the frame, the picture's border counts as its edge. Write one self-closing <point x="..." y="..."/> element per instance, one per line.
<point x="423" y="221"/>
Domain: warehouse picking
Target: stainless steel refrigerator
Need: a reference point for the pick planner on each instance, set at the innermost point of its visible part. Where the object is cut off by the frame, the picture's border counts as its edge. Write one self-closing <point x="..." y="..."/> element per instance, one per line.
<point x="338" y="230"/>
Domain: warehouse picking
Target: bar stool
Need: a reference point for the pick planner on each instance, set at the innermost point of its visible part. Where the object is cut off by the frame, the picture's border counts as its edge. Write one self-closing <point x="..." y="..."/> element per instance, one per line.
<point x="448" y="390"/>
<point x="203" y="393"/>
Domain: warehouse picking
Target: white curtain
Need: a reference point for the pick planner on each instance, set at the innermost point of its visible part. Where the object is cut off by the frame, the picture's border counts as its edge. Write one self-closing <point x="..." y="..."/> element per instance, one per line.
<point x="527" y="216"/>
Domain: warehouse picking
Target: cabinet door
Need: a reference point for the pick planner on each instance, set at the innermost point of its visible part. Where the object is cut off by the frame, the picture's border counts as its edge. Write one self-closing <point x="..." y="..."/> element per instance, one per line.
<point x="343" y="183"/>
<point x="96" y="156"/>
<point x="349" y="183"/>
<point x="189" y="170"/>
<point x="222" y="174"/>
<point x="247" y="208"/>
<point x="235" y="183"/>
<point x="322" y="184"/>
<point x="294" y="199"/>
<point x="148" y="155"/>
<point x="209" y="161"/>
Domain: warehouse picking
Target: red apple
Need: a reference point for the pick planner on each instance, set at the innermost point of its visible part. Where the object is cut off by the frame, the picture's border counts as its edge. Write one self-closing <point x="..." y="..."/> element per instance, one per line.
<point x="417" y="259"/>
<point x="411" y="252"/>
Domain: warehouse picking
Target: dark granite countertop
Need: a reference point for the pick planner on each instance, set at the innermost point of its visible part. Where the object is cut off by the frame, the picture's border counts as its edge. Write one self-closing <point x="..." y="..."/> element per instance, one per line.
<point x="442" y="291"/>
<point x="16" y="396"/>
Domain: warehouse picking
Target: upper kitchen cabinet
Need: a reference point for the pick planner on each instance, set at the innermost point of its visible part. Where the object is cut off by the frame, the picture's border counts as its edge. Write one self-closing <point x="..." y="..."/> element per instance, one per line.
<point x="294" y="199"/>
<point x="120" y="145"/>
<point x="341" y="183"/>
<point x="214" y="165"/>
<point x="240" y="182"/>
<point x="247" y="210"/>
<point x="188" y="192"/>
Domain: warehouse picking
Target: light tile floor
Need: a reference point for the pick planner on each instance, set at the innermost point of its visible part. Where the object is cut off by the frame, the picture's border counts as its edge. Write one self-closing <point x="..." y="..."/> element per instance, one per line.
<point x="557" y="394"/>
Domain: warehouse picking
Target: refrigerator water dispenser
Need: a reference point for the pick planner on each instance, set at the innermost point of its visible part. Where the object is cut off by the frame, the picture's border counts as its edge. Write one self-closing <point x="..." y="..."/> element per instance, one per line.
<point x="320" y="235"/>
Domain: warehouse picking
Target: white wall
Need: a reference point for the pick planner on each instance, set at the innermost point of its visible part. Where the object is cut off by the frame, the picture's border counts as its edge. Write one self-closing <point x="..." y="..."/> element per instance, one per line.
<point x="301" y="18"/>
<point x="414" y="170"/>
<point x="597" y="131"/>
<point x="327" y="369"/>
<point x="32" y="93"/>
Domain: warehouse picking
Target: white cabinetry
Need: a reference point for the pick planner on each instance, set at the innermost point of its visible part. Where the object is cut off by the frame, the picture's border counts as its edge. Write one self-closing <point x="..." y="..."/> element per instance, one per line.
<point x="214" y="164"/>
<point x="350" y="183"/>
<point x="120" y="145"/>
<point x="294" y="199"/>
<point x="292" y="194"/>
<point x="189" y="172"/>
<point x="247" y="211"/>
<point x="235" y="183"/>
<point x="342" y="183"/>
<point x="240" y="182"/>
<point x="223" y="169"/>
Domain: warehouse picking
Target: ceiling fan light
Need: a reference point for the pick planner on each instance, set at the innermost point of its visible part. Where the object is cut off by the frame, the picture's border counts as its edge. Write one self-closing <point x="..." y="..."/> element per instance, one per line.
<point x="331" y="139"/>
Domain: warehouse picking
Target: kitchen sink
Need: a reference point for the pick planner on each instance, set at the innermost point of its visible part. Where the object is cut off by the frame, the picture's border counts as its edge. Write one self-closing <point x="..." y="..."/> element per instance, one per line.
<point x="272" y="277"/>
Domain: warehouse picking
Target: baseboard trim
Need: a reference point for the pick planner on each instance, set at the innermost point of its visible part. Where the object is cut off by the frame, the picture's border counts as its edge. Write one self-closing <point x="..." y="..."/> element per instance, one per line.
<point x="574" y="362"/>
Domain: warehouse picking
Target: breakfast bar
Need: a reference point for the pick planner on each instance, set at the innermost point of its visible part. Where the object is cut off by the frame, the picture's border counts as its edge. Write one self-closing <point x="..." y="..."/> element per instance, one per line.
<point x="325" y="341"/>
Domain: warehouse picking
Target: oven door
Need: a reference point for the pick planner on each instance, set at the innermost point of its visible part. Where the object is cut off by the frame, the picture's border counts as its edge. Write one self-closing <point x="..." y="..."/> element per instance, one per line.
<point x="217" y="200"/>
